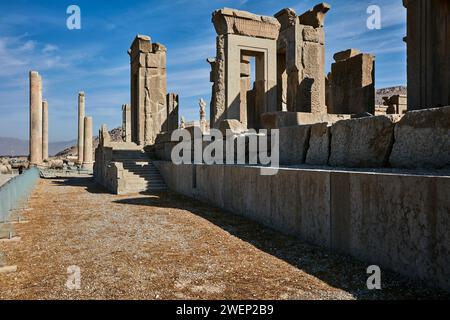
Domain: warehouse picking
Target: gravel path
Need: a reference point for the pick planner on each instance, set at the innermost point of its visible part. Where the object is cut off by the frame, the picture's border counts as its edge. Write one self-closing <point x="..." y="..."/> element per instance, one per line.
<point x="165" y="246"/>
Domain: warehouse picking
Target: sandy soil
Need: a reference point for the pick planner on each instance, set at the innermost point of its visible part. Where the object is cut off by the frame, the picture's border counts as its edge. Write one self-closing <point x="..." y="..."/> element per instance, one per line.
<point x="165" y="246"/>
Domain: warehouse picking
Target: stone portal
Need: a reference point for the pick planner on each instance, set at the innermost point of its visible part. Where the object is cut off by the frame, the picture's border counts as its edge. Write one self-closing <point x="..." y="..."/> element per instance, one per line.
<point x="148" y="90"/>
<point x="242" y="35"/>
<point x="301" y="60"/>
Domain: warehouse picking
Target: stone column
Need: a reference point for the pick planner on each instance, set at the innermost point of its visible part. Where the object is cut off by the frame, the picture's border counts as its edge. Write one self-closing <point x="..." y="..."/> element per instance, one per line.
<point x="428" y="53"/>
<point x="44" y="130"/>
<point x="81" y="107"/>
<point x="126" y="123"/>
<point x="35" y="118"/>
<point x="88" y="162"/>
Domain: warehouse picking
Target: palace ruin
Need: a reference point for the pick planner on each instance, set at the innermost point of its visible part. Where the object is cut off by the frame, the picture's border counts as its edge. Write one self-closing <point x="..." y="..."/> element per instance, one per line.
<point x="350" y="181"/>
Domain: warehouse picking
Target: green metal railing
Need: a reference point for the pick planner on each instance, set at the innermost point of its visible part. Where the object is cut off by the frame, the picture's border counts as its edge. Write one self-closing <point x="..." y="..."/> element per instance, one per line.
<point x="14" y="194"/>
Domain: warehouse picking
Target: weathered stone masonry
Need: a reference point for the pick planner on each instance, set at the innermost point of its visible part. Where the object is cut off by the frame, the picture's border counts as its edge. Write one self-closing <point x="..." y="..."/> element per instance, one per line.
<point x="148" y="90"/>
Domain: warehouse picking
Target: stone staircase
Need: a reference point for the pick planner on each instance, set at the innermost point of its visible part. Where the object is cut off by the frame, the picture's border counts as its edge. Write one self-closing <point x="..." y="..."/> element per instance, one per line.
<point x="139" y="173"/>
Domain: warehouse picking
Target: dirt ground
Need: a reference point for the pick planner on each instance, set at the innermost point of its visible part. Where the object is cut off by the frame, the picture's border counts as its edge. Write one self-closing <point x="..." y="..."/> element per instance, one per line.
<point x="165" y="246"/>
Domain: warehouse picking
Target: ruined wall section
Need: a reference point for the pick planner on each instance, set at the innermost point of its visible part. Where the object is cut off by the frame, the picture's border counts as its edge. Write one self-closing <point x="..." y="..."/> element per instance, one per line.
<point x="302" y="41"/>
<point x="148" y="90"/>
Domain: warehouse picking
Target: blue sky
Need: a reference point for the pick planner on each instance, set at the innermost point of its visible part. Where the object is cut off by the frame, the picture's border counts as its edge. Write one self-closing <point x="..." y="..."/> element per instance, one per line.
<point x="34" y="36"/>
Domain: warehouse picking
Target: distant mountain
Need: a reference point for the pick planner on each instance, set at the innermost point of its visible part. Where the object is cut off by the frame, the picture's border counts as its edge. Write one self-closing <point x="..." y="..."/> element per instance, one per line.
<point x="18" y="147"/>
<point x="71" y="150"/>
<point x="387" y="92"/>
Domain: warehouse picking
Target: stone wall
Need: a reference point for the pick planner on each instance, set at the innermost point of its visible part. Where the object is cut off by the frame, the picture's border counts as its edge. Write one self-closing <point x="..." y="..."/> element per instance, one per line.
<point x="352" y="83"/>
<point x="338" y="210"/>
<point x="418" y="139"/>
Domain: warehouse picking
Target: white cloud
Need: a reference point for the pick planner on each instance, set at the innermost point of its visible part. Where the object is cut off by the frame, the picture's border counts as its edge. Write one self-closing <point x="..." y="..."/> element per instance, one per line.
<point x="48" y="48"/>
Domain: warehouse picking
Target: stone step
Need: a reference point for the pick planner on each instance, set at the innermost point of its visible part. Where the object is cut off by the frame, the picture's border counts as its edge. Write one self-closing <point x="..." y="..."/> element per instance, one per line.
<point x="141" y="170"/>
<point x="144" y="182"/>
<point x="146" y="178"/>
<point x="137" y="188"/>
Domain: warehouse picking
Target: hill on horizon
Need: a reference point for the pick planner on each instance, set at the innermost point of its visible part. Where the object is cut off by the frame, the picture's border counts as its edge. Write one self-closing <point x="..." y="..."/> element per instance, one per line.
<point x="18" y="147"/>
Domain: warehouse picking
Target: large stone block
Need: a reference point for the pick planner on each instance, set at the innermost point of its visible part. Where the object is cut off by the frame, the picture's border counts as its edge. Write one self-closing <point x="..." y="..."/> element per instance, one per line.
<point x="275" y="120"/>
<point x="422" y="139"/>
<point x="353" y="84"/>
<point x="398" y="222"/>
<point x="294" y="142"/>
<point x="311" y="34"/>
<point x="347" y="54"/>
<point x="235" y="126"/>
<point x="364" y="142"/>
<point x="230" y="21"/>
<point x="319" y="144"/>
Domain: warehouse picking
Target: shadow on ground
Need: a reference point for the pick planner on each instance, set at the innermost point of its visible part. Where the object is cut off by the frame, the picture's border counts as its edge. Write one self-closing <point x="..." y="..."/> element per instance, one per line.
<point x="339" y="271"/>
<point x="87" y="182"/>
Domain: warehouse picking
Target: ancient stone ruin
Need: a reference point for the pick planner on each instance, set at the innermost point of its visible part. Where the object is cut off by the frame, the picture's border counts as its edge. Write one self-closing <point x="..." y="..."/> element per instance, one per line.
<point x="352" y="83"/>
<point x="241" y="35"/>
<point x="148" y="90"/>
<point x="340" y="162"/>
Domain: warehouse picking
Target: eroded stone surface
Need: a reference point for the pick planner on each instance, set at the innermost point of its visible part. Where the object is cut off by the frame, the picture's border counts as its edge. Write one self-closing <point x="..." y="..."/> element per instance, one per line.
<point x="352" y="84"/>
<point x="148" y="90"/>
<point x="231" y="21"/>
<point x="294" y="143"/>
<point x="275" y="120"/>
<point x="231" y="124"/>
<point x="347" y="54"/>
<point x="316" y="16"/>
<point x="364" y="142"/>
<point x="422" y="139"/>
<point x="319" y="144"/>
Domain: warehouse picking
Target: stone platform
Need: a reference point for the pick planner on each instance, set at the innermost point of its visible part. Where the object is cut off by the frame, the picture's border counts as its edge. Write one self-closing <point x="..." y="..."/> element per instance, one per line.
<point x="396" y="219"/>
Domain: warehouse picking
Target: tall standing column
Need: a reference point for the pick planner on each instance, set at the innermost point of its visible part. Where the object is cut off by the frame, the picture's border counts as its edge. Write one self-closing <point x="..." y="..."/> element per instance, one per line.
<point x="81" y="106"/>
<point x="88" y="162"/>
<point x="44" y="130"/>
<point x="126" y="123"/>
<point x="428" y="53"/>
<point x="35" y="118"/>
